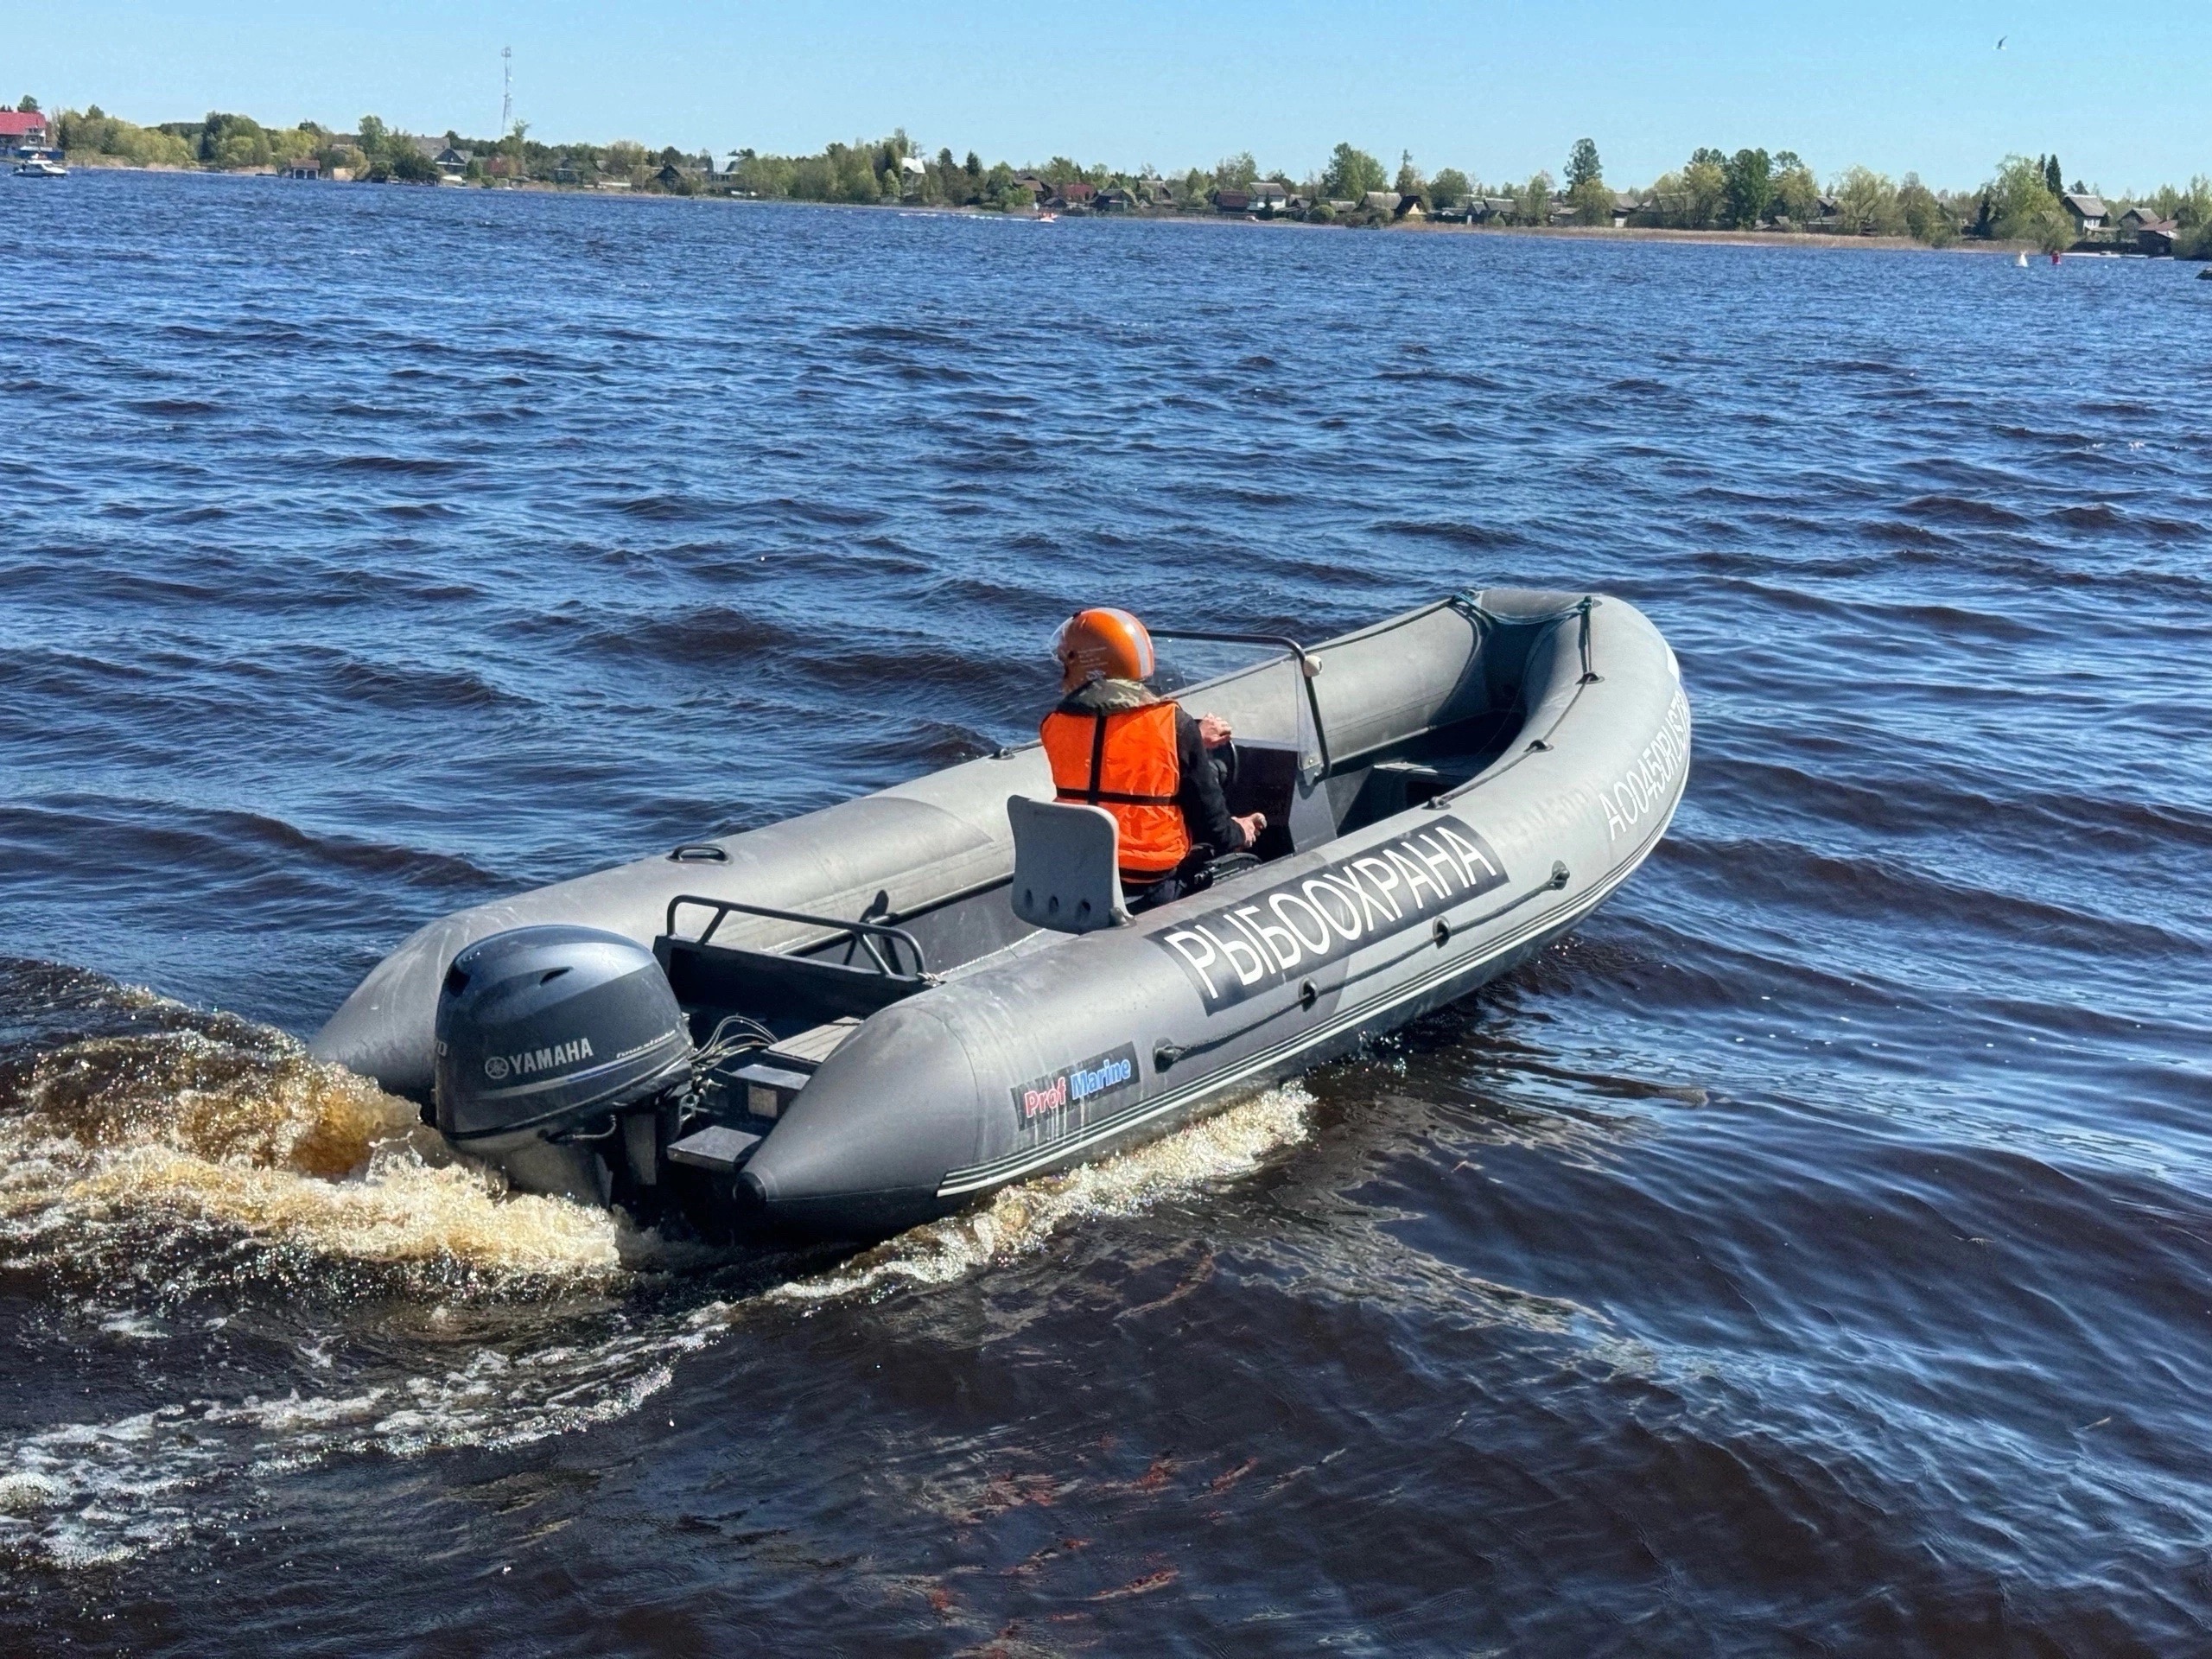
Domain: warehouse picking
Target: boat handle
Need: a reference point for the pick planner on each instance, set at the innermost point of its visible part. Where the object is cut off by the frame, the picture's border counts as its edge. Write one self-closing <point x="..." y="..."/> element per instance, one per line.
<point x="699" y="852"/>
<point x="1590" y="675"/>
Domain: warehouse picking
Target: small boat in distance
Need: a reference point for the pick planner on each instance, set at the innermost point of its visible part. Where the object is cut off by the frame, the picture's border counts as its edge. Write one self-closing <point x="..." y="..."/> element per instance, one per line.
<point x="2021" y="260"/>
<point x="40" y="164"/>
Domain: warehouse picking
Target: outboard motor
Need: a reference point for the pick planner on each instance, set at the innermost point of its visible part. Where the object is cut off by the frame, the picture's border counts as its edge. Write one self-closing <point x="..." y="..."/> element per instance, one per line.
<point x="555" y="1048"/>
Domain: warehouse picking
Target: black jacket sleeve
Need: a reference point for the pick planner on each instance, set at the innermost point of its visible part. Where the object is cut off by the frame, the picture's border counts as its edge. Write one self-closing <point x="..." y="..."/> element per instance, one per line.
<point x="1205" y="809"/>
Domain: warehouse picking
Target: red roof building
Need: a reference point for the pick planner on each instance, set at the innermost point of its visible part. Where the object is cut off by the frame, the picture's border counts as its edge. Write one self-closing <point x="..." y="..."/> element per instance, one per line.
<point x="22" y="127"/>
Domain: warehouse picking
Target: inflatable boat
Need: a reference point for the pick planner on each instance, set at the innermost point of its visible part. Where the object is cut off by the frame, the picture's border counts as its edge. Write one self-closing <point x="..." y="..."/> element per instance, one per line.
<point x="857" y="1020"/>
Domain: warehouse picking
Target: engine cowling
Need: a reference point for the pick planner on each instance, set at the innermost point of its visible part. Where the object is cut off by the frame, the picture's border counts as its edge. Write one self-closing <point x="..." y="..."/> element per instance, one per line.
<point x="543" y="1030"/>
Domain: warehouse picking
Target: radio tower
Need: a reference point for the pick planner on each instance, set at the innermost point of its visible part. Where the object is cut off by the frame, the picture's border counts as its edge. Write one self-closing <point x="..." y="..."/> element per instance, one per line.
<point x="507" y="90"/>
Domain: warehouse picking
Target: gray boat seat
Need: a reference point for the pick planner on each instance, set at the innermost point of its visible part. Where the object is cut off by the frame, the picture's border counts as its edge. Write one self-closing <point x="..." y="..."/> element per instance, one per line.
<point x="1066" y="866"/>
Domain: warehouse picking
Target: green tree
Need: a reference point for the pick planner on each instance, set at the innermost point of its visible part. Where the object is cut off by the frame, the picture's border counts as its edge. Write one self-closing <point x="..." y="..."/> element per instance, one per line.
<point x="1748" y="184"/>
<point x="1450" y="187"/>
<point x="397" y="158"/>
<point x="27" y="105"/>
<point x="772" y="176"/>
<point x="1583" y="166"/>
<point x="1704" y="190"/>
<point x="97" y="133"/>
<point x="1866" y="203"/>
<point x="373" y="134"/>
<point x="853" y="166"/>
<point x="1409" y="181"/>
<point x="1797" y="192"/>
<point x="2021" y="205"/>
<point x="1351" y="173"/>
<point x="233" y="141"/>
<point x="1532" y="203"/>
<point x="2195" y="207"/>
<point x="2187" y="208"/>
<point x="1592" y="202"/>
<point x="2054" y="180"/>
<point x="1237" y="172"/>
<point x="1925" y="216"/>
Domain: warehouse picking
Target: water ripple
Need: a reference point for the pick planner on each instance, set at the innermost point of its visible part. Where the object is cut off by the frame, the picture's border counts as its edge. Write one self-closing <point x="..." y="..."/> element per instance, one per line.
<point x="1807" y="1255"/>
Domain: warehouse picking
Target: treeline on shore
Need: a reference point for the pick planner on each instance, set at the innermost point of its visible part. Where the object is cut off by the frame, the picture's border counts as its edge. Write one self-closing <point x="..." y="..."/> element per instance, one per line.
<point x="2025" y="199"/>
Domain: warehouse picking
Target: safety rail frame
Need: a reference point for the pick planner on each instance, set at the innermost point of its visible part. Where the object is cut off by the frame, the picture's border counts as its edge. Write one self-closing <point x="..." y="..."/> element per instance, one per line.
<point x="863" y="934"/>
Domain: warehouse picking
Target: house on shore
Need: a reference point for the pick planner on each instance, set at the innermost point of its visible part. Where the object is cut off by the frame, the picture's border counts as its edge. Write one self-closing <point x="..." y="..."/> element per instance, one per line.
<point x="1384" y="202"/>
<point x="1271" y="196"/>
<point x="1076" y="195"/>
<point x="2152" y="234"/>
<point x="451" y="161"/>
<point x="2087" y="212"/>
<point x="303" y="166"/>
<point x="1116" y="201"/>
<point x="25" y="129"/>
<point x="1232" y="201"/>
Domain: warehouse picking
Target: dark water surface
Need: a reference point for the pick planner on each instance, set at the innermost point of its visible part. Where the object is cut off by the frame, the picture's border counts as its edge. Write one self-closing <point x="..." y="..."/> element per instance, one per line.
<point x="1811" y="1256"/>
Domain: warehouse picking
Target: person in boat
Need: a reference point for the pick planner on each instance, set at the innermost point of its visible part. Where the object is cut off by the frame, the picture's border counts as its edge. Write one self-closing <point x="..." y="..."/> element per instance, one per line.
<point x="1115" y="743"/>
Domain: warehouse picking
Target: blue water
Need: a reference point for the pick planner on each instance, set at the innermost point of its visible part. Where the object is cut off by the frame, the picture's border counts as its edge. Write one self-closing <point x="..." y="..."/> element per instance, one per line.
<point x="1810" y="1255"/>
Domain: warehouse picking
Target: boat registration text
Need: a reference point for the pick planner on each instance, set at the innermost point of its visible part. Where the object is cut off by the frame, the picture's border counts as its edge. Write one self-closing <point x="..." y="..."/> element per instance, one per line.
<point x="1241" y="950"/>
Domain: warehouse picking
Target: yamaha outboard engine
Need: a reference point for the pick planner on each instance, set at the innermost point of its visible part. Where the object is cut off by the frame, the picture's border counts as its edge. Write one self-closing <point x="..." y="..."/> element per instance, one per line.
<point x="559" y="1052"/>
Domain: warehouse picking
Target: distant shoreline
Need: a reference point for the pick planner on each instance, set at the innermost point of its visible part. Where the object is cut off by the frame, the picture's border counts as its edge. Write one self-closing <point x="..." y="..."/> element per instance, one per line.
<point x="1808" y="239"/>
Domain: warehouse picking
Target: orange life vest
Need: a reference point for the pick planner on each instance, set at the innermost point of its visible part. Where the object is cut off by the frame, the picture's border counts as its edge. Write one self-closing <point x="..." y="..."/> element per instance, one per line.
<point x="1125" y="762"/>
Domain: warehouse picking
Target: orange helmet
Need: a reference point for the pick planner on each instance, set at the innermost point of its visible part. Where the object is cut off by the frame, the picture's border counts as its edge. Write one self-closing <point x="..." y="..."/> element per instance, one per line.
<point x="1099" y="644"/>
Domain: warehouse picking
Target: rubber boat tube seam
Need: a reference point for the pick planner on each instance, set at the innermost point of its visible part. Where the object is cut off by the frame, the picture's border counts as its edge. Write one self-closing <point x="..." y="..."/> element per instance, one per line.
<point x="960" y="1183"/>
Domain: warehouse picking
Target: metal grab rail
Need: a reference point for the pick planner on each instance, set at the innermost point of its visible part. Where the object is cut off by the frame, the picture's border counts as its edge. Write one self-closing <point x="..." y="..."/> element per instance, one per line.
<point x="863" y="934"/>
<point x="1307" y="669"/>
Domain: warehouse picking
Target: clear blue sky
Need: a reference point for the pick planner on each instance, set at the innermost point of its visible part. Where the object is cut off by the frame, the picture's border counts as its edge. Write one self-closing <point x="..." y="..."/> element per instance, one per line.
<point x="2117" y="88"/>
